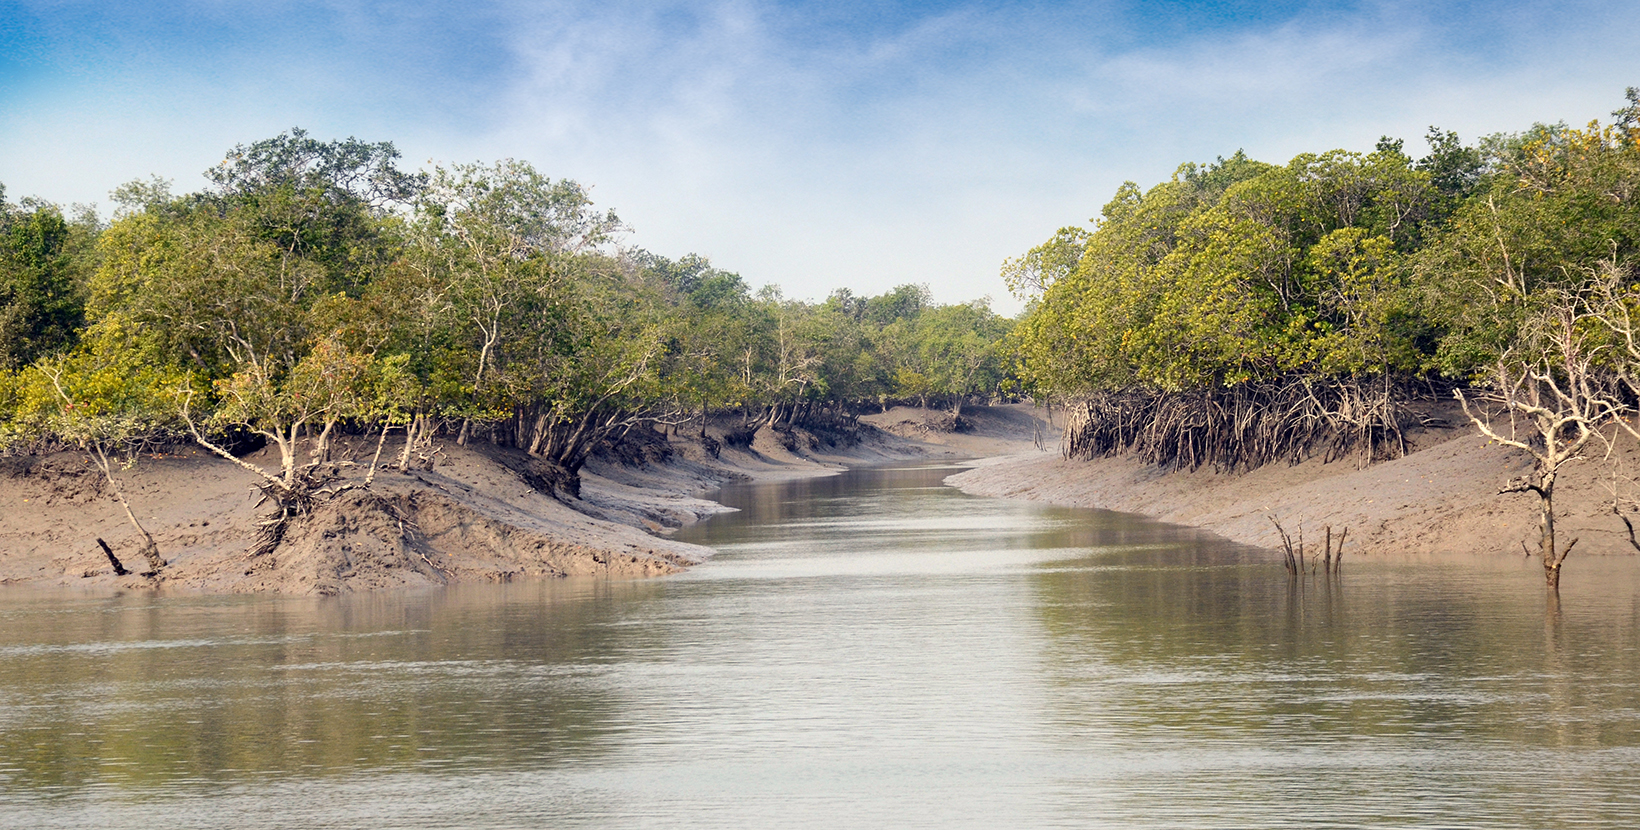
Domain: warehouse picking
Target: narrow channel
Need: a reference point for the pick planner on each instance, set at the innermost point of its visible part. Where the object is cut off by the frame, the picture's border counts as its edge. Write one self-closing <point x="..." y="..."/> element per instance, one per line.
<point x="872" y="649"/>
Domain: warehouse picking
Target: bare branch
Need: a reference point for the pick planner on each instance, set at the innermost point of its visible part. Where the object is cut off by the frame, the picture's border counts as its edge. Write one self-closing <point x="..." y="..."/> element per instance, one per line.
<point x="200" y="439"/>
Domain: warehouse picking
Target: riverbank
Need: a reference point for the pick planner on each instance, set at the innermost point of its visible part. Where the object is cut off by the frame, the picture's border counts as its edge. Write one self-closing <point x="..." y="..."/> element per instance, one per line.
<point x="473" y="517"/>
<point x="470" y="516"/>
<point x="1442" y="497"/>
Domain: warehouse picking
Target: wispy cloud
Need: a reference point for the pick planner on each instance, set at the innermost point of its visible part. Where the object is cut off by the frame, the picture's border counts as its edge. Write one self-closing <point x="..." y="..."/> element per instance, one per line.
<point x="814" y="145"/>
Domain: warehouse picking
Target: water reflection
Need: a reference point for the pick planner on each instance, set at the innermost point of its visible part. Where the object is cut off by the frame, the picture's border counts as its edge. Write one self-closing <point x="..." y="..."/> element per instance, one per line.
<point x="867" y="650"/>
<point x="139" y="691"/>
<point x="1399" y="692"/>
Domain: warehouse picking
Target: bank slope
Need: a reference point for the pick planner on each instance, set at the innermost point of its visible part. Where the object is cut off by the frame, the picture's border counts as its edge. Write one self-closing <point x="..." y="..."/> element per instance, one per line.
<point x="1442" y="497"/>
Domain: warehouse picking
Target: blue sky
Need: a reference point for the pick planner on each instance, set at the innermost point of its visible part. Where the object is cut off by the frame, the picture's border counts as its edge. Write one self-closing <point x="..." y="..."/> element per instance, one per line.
<point x="809" y="144"/>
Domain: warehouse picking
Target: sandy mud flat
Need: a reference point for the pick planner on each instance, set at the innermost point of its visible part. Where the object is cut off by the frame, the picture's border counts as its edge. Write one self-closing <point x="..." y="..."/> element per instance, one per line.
<point x="471" y="516"/>
<point x="1441" y="497"/>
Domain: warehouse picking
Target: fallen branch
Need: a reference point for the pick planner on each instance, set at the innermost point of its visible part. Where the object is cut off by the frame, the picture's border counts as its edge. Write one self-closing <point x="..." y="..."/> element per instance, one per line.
<point x="119" y="569"/>
<point x="1626" y="523"/>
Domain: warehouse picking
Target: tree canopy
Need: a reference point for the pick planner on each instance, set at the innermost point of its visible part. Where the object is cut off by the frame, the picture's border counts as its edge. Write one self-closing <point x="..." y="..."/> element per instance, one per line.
<point x="1335" y="265"/>
<point x="315" y="287"/>
<point x="1242" y="313"/>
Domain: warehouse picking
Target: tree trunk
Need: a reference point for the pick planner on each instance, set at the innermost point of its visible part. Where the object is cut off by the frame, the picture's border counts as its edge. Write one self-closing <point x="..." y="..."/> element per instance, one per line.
<point x="150" y="548"/>
<point x="1546" y="542"/>
<point x="411" y="431"/>
<point x="538" y="434"/>
<point x="375" y="460"/>
<point x="1553" y="556"/>
<point x="321" y="449"/>
<point x="287" y="452"/>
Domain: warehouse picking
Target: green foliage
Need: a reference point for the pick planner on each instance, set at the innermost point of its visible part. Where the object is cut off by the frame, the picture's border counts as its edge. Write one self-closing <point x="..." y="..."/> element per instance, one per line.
<point x="1234" y="272"/>
<point x="1510" y="264"/>
<point x="1561" y="201"/>
<point x="329" y="384"/>
<point x="316" y="287"/>
<point x="217" y="294"/>
<point x="338" y="171"/>
<point x="1047" y="263"/>
<point x="902" y="303"/>
<point x="105" y="393"/>
<point x="1454" y="170"/>
<point x="139" y="195"/>
<point x="693" y="280"/>
<point x="42" y="302"/>
<point x="950" y="352"/>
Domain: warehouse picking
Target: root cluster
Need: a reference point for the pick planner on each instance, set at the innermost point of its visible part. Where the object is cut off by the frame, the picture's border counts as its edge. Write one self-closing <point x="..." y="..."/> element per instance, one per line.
<point x="307" y="489"/>
<point x="1245" y="426"/>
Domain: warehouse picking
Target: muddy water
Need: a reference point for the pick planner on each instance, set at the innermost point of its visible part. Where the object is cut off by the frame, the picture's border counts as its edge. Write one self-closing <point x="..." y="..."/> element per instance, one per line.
<point x="872" y="650"/>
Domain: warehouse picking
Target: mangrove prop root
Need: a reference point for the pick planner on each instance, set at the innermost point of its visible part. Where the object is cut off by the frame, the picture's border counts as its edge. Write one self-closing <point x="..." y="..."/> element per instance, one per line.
<point x="1243" y="427"/>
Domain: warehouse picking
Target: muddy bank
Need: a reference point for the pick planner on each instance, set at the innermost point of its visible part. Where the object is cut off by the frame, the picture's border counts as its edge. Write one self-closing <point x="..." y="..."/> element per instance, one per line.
<point x="978" y="432"/>
<point x="476" y="514"/>
<point x="1442" y="497"/>
<point x="471" y="517"/>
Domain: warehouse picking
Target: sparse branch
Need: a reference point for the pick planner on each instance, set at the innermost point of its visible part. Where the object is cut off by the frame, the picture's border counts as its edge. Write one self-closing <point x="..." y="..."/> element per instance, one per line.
<point x="1550" y="378"/>
<point x="199" y="438"/>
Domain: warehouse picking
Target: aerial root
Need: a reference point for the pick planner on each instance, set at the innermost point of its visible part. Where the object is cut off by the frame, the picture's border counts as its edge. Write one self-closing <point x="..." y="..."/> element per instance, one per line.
<point x="1244" y="426"/>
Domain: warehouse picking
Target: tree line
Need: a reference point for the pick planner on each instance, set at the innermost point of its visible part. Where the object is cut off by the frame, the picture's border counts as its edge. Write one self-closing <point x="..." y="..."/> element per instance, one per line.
<point x="314" y="288"/>
<point x="1244" y="312"/>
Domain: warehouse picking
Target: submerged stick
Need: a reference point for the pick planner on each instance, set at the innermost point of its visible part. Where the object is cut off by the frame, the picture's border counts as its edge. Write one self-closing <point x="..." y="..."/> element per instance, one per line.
<point x="1292" y="560"/>
<point x="1330" y="561"/>
<point x="119" y="570"/>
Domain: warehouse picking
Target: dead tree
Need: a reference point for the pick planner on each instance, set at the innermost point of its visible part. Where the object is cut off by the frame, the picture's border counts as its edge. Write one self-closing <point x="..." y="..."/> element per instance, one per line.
<point x="150" y="548"/>
<point x="1552" y="395"/>
<point x="119" y="568"/>
<point x="98" y="433"/>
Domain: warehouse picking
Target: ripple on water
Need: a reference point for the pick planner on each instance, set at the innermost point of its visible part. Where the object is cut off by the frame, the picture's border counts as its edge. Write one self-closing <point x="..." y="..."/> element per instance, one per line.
<point x="868" y="650"/>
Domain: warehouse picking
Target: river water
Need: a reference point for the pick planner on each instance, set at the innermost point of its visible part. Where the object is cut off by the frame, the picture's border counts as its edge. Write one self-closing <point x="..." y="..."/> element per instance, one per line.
<point x="869" y="650"/>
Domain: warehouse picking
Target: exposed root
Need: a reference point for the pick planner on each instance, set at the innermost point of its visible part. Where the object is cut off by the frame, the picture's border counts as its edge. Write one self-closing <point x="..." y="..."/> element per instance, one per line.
<point x="1245" y="426"/>
<point x="307" y="489"/>
<point x="150" y="552"/>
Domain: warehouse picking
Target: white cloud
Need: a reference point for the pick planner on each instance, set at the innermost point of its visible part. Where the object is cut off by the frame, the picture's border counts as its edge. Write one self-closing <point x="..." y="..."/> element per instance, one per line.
<point x="815" y="156"/>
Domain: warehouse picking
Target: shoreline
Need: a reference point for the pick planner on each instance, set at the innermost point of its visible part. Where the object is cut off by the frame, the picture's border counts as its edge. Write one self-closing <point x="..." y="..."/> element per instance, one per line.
<point x="474" y="518"/>
<point x="1440" y="498"/>
<point x="471" y="517"/>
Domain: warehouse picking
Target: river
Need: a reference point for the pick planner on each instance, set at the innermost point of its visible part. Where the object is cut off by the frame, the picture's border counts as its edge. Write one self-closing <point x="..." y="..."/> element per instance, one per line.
<point x="868" y="650"/>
